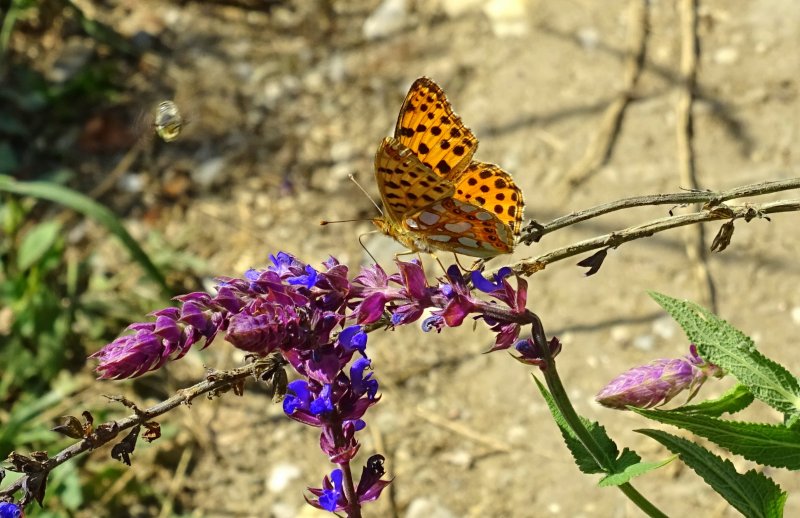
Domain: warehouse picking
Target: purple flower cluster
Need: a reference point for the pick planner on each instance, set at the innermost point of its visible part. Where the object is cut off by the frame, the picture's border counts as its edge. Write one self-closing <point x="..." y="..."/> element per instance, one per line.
<point x="657" y="382"/>
<point x="406" y="295"/>
<point x="303" y="314"/>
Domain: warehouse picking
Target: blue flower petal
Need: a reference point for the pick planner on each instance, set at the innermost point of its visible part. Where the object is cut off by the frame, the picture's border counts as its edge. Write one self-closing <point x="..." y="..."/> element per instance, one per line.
<point x="330" y="497"/>
<point x="309" y="280"/>
<point x="323" y="403"/>
<point x="482" y="283"/>
<point x="353" y="338"/>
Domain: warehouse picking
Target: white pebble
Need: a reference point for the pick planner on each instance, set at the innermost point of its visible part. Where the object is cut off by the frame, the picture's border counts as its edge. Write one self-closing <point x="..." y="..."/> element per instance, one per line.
<point x="644" y="342"/>
<point x="726" y="56"/>
<point x="388" y="18"/>
<point x="281" y="476"/>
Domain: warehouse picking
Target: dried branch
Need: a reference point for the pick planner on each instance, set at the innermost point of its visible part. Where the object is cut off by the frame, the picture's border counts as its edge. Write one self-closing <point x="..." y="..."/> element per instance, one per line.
<point x="615" y="239"/>
<point x="534" y="231"/>
<point x="216" y="382"/>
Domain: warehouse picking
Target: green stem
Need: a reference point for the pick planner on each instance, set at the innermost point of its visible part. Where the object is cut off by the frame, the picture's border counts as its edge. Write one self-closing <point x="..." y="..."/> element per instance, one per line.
<point x="573" y="420"/>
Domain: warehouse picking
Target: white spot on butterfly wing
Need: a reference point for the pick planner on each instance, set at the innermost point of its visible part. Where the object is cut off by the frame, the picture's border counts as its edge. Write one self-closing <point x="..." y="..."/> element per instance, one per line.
<point x="466" y="207"/>
<point x="484" y="215"/>
<point x="468" y="242"/>
<point x="428" y="218"/>
<point x="439" y="237"/>
<point x="458" y="228"/>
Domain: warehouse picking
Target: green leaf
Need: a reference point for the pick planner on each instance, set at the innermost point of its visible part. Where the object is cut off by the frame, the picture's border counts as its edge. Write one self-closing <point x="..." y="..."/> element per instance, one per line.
<point x="752" y="494"/>
<point x="722" y="344"/>
<point x="87" y="206"/>
<point x="37" y="243"/>
<point x="583" y="458"/>
<point x="770" y="445"/>
<point x="632" y="471"/>
<point x="736" y="399"/>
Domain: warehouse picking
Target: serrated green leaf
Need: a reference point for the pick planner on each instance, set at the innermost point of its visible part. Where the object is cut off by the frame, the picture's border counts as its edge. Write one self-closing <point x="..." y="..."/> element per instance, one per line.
<point x="736" y="399"/>
<point x="87" y="206"/>
<point x="582" y="456"/>
<point x="752" y="494"/>
<point x="36" y="244"/>
<point x="632" y="471"/>
<point x="769" y="445"/>
<point x="722" y="344"/>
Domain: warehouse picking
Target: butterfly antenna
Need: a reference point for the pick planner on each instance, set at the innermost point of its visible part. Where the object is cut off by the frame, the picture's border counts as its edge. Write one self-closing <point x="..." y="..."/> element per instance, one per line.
<point x="328" y="222"/>
<point x="353" y="178"/>
<point x="365" y="248"/>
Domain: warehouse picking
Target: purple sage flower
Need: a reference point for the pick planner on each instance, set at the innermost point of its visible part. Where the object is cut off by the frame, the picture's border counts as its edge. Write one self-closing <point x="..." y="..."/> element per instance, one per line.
<point x="330" y="496"/>
<point x="317" y="320"/>
<point x="657" y="382"/>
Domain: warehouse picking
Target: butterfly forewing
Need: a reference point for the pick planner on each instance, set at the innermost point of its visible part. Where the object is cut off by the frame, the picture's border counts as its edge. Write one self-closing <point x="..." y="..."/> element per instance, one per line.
<point x="405" y="184"/>
<point x="493" y="189"/>
<point x="428" y="126"/>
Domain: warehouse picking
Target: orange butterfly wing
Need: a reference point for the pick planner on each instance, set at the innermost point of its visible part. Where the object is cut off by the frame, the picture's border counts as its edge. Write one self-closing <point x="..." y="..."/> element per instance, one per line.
<point x="428" y="126"/>
<point x="405" y="184"/>
<point x="489" y="187"/>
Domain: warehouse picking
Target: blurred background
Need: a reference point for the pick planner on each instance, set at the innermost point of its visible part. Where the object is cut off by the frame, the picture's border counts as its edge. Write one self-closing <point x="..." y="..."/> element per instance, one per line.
<point x="279" y="102"/>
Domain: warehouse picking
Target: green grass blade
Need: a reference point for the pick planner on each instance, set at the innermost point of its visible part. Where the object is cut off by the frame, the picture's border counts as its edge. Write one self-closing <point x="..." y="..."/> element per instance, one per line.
<point x="90" y="208"/>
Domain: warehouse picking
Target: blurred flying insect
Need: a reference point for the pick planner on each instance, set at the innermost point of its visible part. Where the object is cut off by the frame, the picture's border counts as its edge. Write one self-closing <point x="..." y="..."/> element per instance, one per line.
<point x="168" y="121"/>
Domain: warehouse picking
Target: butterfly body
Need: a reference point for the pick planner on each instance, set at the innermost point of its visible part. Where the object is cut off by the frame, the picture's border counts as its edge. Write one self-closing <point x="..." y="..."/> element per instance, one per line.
<point x="435" y="196"/>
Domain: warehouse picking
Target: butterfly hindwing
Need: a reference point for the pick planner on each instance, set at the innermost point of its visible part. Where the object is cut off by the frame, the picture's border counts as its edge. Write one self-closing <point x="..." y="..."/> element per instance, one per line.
<point x="428" y="126"/>
<point x="493" y="189"/>
<point x="405" y="184"/>
<point x="463" y="228"/>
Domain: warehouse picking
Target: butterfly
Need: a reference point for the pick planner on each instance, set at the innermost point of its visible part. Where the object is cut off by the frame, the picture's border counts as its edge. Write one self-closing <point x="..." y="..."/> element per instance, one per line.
<point x="435" y="197"/>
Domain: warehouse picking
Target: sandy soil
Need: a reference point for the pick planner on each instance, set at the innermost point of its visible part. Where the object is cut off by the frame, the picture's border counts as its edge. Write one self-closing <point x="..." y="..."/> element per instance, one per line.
<point x="285" y="102"/>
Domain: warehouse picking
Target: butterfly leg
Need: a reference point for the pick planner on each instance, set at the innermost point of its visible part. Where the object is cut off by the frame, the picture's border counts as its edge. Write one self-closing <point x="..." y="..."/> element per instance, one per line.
<point x="459" y="263"/>
<point x="360" y="242"/>
<point x="478" y="265"/>
<point x="407" y="252"/>
<point x="440" y="263"/>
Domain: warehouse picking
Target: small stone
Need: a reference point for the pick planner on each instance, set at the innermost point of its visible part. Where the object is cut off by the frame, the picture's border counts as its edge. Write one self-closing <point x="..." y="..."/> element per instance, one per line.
<point x="796" y="315"/>
<point x="209" y="171"/>
<point x="589" y="38"/>
<point x="459" y="458"/>
<point x="665" y="328"/>
<point x="281" y="476"/>
<point x="387" y="19"/>
<point x="428" y="508"/>
<point x="644" y="342"/>
<point x="508" y="17"/>
<point x="456" y="8"/>
<point x="726" y="56"/>
<point x="554" y="508"/>
<point x="620" y="334"/>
